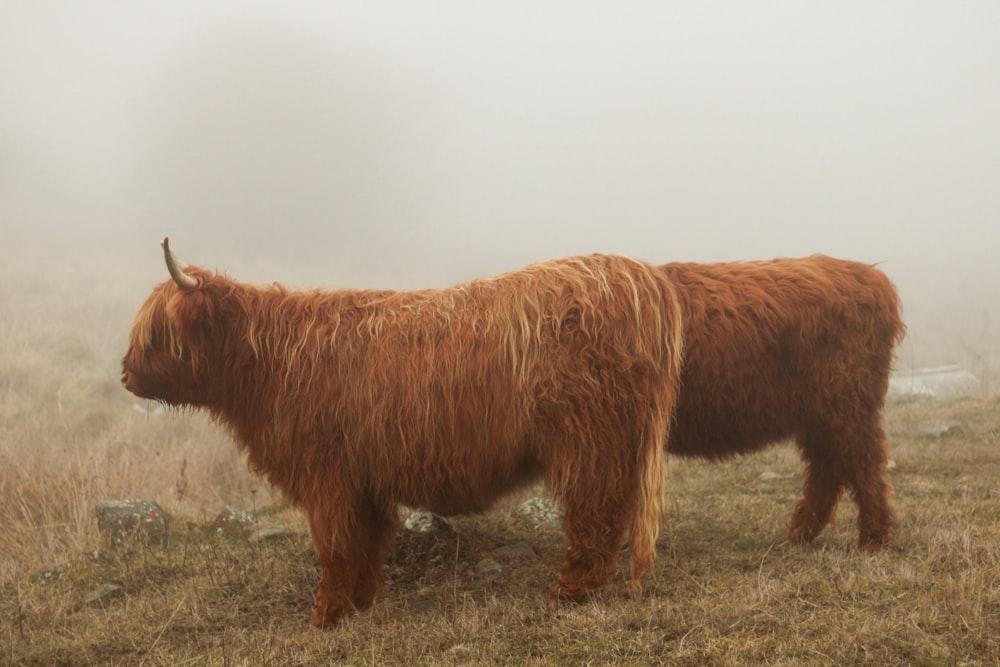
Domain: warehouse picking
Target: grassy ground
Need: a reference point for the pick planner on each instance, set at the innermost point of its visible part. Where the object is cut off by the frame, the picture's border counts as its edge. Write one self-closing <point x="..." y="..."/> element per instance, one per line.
<point x="726" y="588"/>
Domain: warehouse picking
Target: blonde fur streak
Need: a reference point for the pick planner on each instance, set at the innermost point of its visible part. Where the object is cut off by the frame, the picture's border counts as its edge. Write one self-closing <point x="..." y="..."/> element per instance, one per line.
<point x="355" y="401"/>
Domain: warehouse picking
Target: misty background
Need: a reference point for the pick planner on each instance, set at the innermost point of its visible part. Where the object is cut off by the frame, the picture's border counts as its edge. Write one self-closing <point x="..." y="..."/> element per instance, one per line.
<point x="400" y="144"/>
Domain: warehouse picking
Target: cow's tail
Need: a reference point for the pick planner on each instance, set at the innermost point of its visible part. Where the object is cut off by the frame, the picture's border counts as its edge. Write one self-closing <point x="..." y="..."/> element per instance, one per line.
<point x="649" y="516"/>
<point x="652" y="454"/>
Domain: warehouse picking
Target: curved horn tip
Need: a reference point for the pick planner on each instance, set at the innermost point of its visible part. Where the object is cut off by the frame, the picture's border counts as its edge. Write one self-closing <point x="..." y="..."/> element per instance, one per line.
<point x="176" y="268"/>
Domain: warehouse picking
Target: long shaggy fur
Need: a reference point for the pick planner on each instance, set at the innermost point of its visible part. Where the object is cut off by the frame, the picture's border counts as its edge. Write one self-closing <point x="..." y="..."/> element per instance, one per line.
<point x="353" y="402"/>
<point x="792" y="348"/>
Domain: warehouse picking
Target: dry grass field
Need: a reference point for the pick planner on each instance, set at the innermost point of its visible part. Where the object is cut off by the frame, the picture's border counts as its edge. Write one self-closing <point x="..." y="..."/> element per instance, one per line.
<point x="726" y="590"/>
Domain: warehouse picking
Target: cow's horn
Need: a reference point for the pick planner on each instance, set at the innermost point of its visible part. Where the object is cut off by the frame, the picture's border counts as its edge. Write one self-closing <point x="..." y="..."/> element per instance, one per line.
<point x="176" y="268"/>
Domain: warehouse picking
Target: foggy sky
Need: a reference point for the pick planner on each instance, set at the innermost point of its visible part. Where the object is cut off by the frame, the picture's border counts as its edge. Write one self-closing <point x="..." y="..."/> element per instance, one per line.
<point x="412" y="144"/>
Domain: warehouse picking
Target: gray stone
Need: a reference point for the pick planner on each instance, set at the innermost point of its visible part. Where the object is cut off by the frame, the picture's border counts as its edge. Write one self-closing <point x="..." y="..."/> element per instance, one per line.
<point x="272" y="534"/>
<point x="936" y="428"/>
<point x="97" y="556"/>
<point x="234" y="523"/>
<point x="540" y="512"/>
<point x="421" y="521"/>
<point x="939" y="384"/>
<point x="488" y="567"/>
<point x="513" y="551"/>
<point x="53" y="573"/>
<point x="126" y="521"/>
<point x="104" y="593"/>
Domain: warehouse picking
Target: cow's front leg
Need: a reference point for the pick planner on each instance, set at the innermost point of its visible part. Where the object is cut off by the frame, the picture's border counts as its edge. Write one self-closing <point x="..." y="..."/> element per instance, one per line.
<point x="332" y="600"/>
<point x="331" y="536"/>
<point x="351" y="543"/>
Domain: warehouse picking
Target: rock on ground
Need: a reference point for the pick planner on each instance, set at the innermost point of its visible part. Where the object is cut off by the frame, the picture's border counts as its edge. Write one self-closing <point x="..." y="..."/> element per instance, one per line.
<point x="514" y="551"/>
<point x="939" y="384"/>
<point x="936" y="429"/>
<point x="234" y="523"/>
<point x="104" y="593"/>
<point x="540" y="512"/>
<point x="488" y="568"/>
<point x="272" y="534"/>
<point x="122" y="521"/>
<point x="421" y="521"/>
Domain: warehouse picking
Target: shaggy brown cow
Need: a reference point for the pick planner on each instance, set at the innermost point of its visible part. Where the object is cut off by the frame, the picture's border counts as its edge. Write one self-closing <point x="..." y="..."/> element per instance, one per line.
<point x="353" y="402"/>
<point x="792" y="348"/>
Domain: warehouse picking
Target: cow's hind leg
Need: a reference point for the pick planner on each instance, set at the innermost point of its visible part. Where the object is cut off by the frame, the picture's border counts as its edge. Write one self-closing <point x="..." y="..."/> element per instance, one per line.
<point x="823" y="486"/>
<point x="854" y="459"/>
<point x="871" y="490"/>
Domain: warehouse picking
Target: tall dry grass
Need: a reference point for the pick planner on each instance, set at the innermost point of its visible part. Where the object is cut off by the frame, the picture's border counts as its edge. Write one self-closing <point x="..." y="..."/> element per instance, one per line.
<point x="70" y="436"/>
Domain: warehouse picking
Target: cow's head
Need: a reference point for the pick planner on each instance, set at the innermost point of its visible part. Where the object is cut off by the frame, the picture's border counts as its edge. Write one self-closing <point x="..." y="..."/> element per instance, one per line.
<point x="170" y="343"/>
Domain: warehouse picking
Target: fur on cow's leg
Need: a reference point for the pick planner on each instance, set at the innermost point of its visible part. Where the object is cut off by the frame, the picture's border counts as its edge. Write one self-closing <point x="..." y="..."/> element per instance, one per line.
<point x="876" y="517"/>
<point x="871" y="490"/>
<point x="821" y="492"/>
<point x="856" y="461"/>
<point x="595" y="518"/>
<point x="351" y="551"/>
<point x="589" y="563"/>
<point x="823" y="486"/>
<point x="332" y="601"/>
<point x="333" y="597"/>
<point x="600" y="507"/>
<point x="379" y="530"/>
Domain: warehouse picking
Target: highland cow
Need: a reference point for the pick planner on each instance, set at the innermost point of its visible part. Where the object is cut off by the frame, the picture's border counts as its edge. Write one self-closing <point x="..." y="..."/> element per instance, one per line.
<point x="792" y="348"/>
<point x="353" y="402"/>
